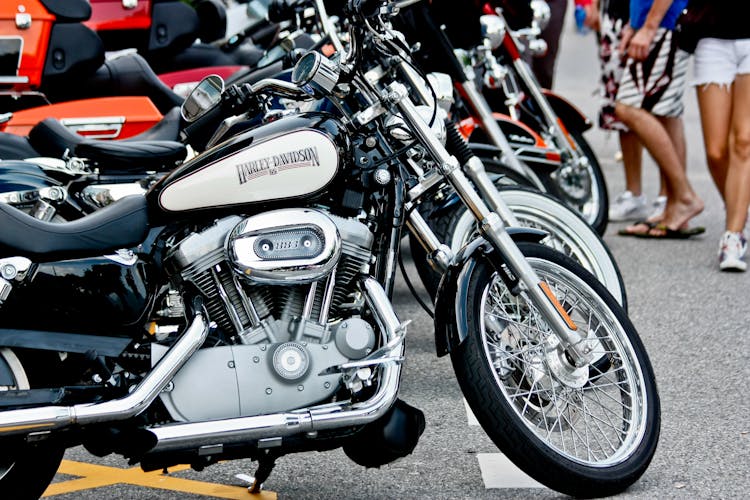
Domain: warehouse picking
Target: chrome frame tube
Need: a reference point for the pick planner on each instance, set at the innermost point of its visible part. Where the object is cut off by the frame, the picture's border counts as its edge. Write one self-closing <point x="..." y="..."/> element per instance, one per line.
<point x="491" y="225"/>
<point x="328" y="26"/>
<point x="479" y="104"/>
<point x="47" y="418"/>
<point x="330" y="416"/>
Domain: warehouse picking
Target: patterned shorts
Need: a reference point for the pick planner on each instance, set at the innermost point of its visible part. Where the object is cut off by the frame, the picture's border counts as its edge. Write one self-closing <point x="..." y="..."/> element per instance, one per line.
<point x="657" y="83"/>
<point x="612" y="66"/>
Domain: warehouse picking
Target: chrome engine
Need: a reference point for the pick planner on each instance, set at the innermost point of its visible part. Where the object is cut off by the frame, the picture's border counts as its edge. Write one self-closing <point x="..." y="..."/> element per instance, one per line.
<point x="281" y="288"/>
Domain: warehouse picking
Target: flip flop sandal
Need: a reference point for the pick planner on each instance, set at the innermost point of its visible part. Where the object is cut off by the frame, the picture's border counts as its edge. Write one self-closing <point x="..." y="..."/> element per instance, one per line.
<point x="649" y="224"/>
<point x="671" y="234"/>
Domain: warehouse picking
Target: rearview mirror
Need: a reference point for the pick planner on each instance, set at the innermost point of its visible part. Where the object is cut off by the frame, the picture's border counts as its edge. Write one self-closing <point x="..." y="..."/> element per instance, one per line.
<point x="203" y="98"/>
<point x="542" y="13"/>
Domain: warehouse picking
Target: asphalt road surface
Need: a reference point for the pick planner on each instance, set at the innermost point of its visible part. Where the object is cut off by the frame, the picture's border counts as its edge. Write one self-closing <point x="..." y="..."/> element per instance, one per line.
<point x="692" y="318"/>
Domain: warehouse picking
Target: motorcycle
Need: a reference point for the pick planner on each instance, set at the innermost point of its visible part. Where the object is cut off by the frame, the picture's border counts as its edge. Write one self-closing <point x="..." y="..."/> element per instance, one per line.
<point x="547" y="148"/>
<point x="268" y="262"/>
<point x="62" y="71"/>
<point x="77" y="186"/>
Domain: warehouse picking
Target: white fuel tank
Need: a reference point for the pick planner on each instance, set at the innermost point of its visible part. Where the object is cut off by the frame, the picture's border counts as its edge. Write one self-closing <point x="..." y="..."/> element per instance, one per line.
<point x="292" y="165"/>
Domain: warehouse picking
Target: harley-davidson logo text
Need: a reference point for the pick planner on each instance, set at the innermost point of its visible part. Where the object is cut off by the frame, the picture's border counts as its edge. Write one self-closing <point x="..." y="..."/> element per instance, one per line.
<point x="272" y="165"/>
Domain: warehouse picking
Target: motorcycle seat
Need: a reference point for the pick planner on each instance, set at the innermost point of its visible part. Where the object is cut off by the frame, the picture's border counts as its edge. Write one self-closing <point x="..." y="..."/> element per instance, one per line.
<point x="122" y="224"/>
<point x="132" y="156"/>
<point x="168" y="129"/>
<point x="51" y="138"/>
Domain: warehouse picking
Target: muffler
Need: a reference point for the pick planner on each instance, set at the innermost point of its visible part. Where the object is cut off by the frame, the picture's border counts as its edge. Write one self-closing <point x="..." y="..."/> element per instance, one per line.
<point x="55" y="417"/>
<point x="218" y="433"/>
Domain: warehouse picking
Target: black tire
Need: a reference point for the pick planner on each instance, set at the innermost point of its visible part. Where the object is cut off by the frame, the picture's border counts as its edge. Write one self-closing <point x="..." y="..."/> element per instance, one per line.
<point x="600" y="222"/>
<point x="25" y="469"/>
<point x="569" y="233"/>
<point x="596" y="213"/>
<point x="519" y="421"/>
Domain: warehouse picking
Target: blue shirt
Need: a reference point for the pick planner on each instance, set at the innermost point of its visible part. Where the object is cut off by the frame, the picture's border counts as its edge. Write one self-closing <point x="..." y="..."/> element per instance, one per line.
<point x="639" y="11"/>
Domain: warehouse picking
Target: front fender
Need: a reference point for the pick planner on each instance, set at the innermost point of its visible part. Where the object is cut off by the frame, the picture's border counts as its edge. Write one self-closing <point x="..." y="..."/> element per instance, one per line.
<point x="452" y="300"/>
<point x="572" y="117"/>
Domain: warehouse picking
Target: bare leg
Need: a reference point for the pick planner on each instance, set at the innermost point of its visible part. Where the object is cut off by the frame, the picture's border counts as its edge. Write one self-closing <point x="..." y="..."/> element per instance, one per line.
<point x="682" y="202"/>
<point x="737" y="187"/>
<point x="715" y="103"/>
<point x="632" y="160"/>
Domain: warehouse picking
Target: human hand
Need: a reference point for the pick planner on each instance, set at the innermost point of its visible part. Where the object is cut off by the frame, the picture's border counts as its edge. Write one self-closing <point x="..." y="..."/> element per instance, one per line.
<point x="627" y="34"/>
<point x="592" y="20"/>
<point x="640" y="43"/>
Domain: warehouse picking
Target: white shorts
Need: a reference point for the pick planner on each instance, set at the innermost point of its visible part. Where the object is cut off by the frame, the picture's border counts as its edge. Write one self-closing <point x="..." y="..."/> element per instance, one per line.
<point x="720" y="61"/>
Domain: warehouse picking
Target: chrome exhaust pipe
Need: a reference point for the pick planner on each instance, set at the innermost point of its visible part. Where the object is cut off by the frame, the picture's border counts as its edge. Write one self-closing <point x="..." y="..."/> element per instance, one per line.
<point x="330" y="416"/>
<point x="54" y="417"/>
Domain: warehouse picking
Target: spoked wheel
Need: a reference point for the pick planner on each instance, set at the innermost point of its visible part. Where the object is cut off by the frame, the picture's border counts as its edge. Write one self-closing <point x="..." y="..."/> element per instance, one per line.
<point x="588" y="431"/>
<point x="25" y="469"/>
<point x="583" y="187"/>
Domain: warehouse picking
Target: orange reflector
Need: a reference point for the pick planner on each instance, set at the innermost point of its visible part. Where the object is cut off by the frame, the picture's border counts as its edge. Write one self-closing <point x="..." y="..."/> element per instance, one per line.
<point x="553" y="156"/>
<point x="551" y="296"/>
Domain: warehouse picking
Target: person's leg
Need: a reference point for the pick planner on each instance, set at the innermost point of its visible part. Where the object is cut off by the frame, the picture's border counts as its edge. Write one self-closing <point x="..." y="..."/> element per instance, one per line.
<point x="544" y="67"/>
<point x="632" y="161"/>
<point x="737" y="187"/>
<point x="683" y="203"/>
<point x="715" y="104"/>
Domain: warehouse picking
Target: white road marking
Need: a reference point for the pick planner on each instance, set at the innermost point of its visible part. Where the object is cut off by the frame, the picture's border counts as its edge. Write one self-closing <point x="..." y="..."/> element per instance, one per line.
<point x="497" y="470"/>
<point x="470" y="414"/>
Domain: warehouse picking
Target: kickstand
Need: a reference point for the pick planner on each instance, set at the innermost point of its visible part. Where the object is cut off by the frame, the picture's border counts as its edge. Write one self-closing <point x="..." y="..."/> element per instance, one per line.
<point x="265" y="467"/>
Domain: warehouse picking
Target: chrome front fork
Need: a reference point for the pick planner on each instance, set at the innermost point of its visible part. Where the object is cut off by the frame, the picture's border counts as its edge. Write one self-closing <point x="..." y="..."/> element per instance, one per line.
<point x="550" y="117"/>
<point x="492" y="229"/>
<point x="479" y="104"/>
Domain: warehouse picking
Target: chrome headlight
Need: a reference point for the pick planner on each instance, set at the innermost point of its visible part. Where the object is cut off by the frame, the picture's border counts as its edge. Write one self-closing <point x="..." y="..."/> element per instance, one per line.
<point x="493" y="29"/>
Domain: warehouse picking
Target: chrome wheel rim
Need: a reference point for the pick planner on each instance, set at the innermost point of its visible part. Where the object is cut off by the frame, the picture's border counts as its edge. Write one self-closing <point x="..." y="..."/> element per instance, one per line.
<point x="21" y="383"/>
<point x="596" y="418"/>
<point x="563" y="237"/>
<point x="588" y="208"/>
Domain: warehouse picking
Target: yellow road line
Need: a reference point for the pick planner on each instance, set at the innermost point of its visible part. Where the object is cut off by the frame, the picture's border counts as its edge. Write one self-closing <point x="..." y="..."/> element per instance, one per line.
<point x="92" y="476"/>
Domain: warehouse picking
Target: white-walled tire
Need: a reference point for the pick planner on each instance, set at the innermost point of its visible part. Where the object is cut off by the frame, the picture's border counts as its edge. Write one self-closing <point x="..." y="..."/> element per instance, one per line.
<point x="569" y="234"/>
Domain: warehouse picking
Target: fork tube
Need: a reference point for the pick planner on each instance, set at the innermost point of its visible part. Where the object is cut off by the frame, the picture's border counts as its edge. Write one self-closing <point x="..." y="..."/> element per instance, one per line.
<point x="439" y="255"/>
<point x="479" y="104"/>
<point x="493" y="229"/>
<point x="549" y="114"/>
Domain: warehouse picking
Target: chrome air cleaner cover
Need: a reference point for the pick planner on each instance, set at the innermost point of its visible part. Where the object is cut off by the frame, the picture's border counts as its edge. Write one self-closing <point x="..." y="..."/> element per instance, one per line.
<point x="295" y="245"/>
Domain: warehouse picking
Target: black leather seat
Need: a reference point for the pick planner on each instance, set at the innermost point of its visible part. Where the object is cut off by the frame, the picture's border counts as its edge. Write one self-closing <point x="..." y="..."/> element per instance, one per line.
<point x="120" y="225"/>
<point x="51" y="138"/>
<point x="132" y="156"/>
<point x="168" y="129"/>
<point x="69" y="11"/>
<point x="16" y="147"/>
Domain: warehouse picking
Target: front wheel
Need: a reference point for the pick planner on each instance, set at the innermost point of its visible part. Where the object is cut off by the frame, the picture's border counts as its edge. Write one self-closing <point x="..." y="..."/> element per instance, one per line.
<point x="589" y="431"/>
<point x="571" y="182"/>
<point x="25" y="469"/>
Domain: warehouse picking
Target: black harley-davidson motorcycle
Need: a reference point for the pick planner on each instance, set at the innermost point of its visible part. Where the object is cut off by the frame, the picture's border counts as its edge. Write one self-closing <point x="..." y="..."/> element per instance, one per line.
<point x="252" y="317"/>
